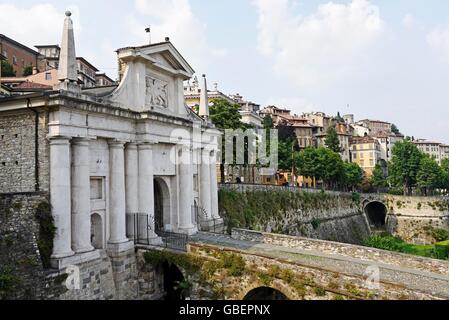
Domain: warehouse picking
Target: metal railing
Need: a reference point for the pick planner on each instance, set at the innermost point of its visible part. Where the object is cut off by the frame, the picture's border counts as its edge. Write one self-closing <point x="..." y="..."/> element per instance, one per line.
<point x="205" y="223"/>
<point x="142" y="228"/>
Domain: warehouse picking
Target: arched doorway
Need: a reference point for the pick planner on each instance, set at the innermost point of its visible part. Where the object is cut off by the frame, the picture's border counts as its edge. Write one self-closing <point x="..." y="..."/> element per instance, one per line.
<point x="265" y="293"/>
<point x="162" y="209"/>
<point x="96" y="233"/>
<point x="175" y="286"/>
<point x="377" y="214"/>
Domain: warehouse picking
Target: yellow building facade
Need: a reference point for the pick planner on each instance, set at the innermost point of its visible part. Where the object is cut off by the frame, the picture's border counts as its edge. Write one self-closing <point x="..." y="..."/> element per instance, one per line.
<point x="366" y="152"/>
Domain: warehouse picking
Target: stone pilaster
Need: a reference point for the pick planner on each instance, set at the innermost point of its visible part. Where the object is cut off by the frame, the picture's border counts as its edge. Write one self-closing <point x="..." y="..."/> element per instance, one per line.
<point x="81" y="222"/>
<point x="117" y="200"/>
<point x="132" y="184"/>
<point x="214" y="185"/>
<point x="205" y="183"/>
<point x="185" y="191"/>
<point x="60" y="196"/>
<point x="146" y="192"/>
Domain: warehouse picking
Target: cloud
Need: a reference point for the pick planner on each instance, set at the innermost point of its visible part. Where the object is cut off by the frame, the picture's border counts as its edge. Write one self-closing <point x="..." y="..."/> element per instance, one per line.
<point x="409" y="21"/>
<point x="438" y="39"/>
<point x="38" y="24"/>
<point x="320" y="49"/>
<point x="175" y="19"/>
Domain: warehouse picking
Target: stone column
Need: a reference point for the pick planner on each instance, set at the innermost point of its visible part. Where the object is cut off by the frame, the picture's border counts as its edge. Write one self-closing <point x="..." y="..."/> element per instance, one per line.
<point x="214" y="185"/>
<point x="81" y="196"/>
<point x="205" y="183"/>
<point x="60" y="196"/>
<point x="146" y="192"/>
<point x="117" y="204"/>
<point x="132" y="185"/>
<point x="185" y="191"/>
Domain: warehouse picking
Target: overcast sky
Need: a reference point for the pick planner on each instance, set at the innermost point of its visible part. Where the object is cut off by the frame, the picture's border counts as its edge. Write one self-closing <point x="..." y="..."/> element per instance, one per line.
<point x="382" y="59"/>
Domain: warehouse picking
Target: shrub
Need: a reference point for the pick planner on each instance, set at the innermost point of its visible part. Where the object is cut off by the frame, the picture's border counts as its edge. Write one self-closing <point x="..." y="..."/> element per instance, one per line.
<point x="440" y="234"/>
<point x="442" y="250"/>
<point x="47" y="231"/>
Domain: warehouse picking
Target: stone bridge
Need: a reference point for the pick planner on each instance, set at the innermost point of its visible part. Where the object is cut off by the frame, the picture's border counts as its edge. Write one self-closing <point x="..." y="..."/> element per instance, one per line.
<point x="253" y="265"/>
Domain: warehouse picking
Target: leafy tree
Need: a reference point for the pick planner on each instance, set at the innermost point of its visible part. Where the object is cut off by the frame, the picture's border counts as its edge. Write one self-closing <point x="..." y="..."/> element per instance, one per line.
<point x="353" y="175"/>
<point x="395" y="129"/>
<point x="226" y="115"/>
<point x="306" y="162"/>
<point x="404" y="165"/>
<point x="339" y="118"/>
<point x="378" y="179"/>
<point x="331" y="166"/>
<point x="286" y="154"/>
<point x="268" y="122"/>
<point x="7" y="69"/>
<point x="28" y="71"/>
<point x="429" y="175"/>
<point x="332" y="141"/>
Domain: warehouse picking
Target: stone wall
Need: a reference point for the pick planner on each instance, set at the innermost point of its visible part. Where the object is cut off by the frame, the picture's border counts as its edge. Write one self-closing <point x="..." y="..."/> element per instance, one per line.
<point x="297" y="281"/>
<point x="414" y="218"/>
<point x="22" y="271"/>
<point x="20" y="259"/>
<point x="17" y="159"/>
<point x="328" y="216"/>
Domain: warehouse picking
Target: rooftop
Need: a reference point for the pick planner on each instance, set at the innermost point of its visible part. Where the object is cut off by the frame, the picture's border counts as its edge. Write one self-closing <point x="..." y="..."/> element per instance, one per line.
<point x="17" y="44"/>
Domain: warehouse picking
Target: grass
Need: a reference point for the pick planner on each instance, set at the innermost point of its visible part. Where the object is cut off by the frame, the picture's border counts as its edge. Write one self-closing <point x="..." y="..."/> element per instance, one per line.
<point x="390" y="243"/>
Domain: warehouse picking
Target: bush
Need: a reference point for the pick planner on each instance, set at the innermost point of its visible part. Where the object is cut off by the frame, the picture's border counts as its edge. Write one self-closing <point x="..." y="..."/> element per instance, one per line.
<point x="385" y="242"/>
<point x="442" y="250"/>
<point x="440" y="234"/>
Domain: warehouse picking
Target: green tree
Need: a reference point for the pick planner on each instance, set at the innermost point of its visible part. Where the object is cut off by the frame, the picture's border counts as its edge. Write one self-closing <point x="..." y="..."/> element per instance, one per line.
<point x="28" y="71"/>
<point x="332" y="141"/>
<point x="395" y="129"/>
<point x="306" y="162"/>
<point x="7" y="69"/>
<point x="268" y="122"/>
<point x="286" y="154"/>
<point x="429" y="175"/>
<point x="339" y="118"/>
<point x="330" y="167"/>
<point x="353" y="175"/>
<point x="225" y="115"/>
<point x="378" y="179"/>
<point x="404" y="165"/>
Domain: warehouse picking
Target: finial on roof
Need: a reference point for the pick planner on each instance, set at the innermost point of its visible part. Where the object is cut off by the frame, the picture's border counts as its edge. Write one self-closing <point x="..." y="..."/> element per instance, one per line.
<point x="204" y="99"/>
<point x="68" y="71"/>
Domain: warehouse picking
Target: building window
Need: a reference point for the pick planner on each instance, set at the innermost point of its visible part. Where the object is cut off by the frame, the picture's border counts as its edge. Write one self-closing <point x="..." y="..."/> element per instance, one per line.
<point x="48" y="76"/>
<point x="96" y="189"/>
<point x="14" y="60"/>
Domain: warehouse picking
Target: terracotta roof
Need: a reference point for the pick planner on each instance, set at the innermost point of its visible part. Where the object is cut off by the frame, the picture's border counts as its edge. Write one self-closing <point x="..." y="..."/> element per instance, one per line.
<point x="18" y="44"/>
<point x="32" y="85"/>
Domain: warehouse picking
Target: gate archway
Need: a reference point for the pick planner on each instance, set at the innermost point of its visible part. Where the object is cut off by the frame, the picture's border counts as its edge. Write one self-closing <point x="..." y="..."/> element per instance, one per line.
<point x="161" y="204"/>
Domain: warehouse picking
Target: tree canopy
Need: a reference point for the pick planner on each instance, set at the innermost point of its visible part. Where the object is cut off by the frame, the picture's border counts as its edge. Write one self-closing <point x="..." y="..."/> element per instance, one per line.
<point x="332" y="141"/>
<point x="226" y="115"/>
<point x="7" y="69"/>
<point x="429" y="175"/>
<point x="405" y="165"/>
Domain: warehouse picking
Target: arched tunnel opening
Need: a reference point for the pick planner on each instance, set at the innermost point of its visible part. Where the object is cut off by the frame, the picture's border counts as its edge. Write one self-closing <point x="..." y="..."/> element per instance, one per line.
<point x="265" y="293"/>
<point x="377" y="214"/>
<point x="173" y="282"/>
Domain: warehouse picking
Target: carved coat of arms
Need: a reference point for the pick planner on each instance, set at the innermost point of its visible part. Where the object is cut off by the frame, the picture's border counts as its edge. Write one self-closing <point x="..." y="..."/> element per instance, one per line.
<point x="156" y="92"/>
